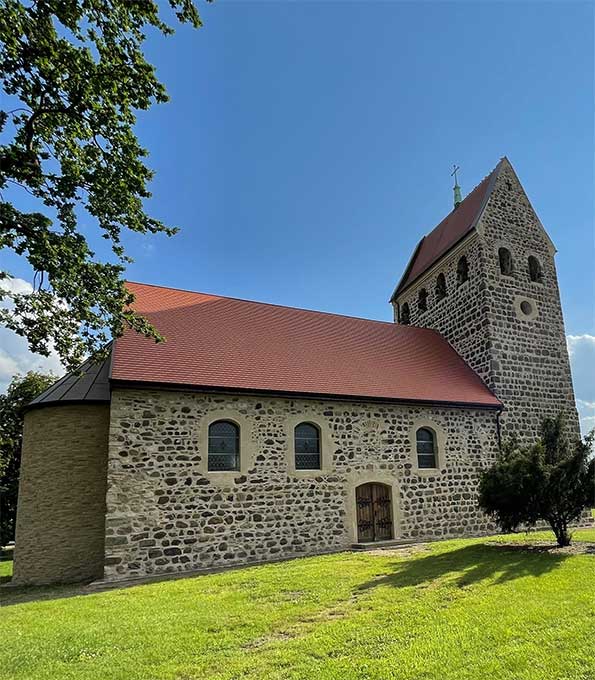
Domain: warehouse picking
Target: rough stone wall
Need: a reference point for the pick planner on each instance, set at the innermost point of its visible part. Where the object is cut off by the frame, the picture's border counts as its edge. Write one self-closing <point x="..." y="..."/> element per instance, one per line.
<point x="529" y="356"/>
<point x="461" y="316"/>
<point x="522" y="357"/>
<point x="166" y="513"/>
<point x="60" y="527"/>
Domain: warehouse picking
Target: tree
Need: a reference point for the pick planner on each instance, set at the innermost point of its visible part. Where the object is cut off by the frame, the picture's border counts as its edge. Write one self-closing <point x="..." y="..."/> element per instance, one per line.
<point x="75" y="75"/>
<point x="21" y="391"/>
<point x="550" y="481"/>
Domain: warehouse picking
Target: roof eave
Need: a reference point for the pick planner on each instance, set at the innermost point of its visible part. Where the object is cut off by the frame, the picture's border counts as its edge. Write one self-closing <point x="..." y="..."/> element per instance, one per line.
<point x="177" y="387"/>
<point x="407" y="270"/>
<point x="454" y="246"/>
<point x="65" y="402"/>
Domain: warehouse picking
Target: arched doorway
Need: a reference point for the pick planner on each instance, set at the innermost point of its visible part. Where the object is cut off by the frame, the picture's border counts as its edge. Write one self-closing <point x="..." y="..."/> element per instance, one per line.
<point x="374" y="512"/>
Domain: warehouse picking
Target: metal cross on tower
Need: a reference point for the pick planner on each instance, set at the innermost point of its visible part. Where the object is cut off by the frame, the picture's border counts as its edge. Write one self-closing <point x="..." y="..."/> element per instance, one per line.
<point x="456" y="188"/>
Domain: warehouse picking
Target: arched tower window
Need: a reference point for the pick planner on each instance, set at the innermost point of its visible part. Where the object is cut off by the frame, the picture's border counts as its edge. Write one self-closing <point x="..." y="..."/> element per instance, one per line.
<point x="440" y="287"/>
<point x="422" y="300"/>
<point x="405" y="314"/>
<point x="535" y="271"/>
<point x="307" y="447"/>
<point x="224" y="446"/>
<point x="462" y="270"/>
<point x="425" y="440"/>
<point x="505" y="259"/>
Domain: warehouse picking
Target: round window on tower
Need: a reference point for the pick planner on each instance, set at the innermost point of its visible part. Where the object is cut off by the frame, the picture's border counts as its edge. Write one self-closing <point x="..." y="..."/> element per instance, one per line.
<point x="525" y="309"/>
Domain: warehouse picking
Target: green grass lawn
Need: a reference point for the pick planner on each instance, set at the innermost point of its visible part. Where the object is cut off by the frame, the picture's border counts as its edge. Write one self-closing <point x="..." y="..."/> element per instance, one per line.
<point x="451" y="610"/>
<point x="5" y="571"/>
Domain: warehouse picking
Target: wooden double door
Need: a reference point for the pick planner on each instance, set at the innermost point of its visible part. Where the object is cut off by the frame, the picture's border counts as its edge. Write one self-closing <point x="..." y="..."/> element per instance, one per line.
<point x="374" y="512"/>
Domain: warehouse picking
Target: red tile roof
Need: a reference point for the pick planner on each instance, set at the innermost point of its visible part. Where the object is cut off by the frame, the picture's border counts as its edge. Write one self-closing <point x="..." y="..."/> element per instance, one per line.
<point x="449" y="232"/>
<point x="225" y="343"/>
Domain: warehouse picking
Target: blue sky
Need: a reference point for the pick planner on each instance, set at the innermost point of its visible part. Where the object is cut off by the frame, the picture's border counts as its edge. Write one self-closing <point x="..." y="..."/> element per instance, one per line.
<point x="308" y="145"/>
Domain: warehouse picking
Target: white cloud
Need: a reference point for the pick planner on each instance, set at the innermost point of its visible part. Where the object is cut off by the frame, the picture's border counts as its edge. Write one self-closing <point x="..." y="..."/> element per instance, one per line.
<point x="581" y="349"/>
<point x="576" y="341"/>
<point x="15" y="356"/>
<point x="14" y="285"/>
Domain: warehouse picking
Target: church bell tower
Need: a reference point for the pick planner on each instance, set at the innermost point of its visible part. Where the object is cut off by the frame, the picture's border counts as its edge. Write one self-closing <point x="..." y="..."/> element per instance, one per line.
<point x="485" y="278"/>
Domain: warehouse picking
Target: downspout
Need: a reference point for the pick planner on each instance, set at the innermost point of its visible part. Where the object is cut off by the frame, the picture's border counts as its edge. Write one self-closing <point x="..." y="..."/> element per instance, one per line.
<point x="498" y="430"/>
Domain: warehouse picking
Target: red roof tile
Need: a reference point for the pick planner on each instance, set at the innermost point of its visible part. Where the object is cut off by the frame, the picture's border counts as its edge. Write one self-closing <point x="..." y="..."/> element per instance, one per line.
<point x="225" y="343"/>
<point x="449" y="232"/>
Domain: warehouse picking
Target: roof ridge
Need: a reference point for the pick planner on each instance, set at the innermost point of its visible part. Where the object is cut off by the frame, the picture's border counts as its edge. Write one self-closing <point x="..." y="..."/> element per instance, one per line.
<point x="460" y="222"/>
<point x="274" y="304"/>
<point x="486" y="177"/>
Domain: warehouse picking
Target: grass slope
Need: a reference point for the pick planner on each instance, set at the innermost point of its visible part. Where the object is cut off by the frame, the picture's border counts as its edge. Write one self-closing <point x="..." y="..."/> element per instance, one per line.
<point x="464" y="609"/>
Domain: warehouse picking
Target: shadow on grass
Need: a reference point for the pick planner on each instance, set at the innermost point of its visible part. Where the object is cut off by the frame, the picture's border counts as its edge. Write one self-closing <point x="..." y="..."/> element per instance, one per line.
<point x="469" y="565"/>
<point x="10" y="595"/>
<point x="22" y="594"/>
<point x="463" y="567"/>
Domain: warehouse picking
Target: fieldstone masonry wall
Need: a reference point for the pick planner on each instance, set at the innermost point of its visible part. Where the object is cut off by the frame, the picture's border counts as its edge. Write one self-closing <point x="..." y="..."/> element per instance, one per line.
<point x="529" y="355"/>
<point x="166" y="513"/>
<point x="461" y="316"/>
<point x="522" y="357"/>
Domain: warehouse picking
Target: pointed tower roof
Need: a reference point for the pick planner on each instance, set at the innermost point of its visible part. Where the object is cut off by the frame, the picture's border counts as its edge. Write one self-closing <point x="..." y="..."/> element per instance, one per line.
<point x="449" y="232"/>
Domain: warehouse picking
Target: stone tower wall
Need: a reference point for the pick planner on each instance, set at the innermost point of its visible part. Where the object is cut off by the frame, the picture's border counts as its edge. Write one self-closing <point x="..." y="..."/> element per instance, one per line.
<point x="60" y="529"/>
<point x="529" y="355"/>
<point x="460" y="317"/>
<point x="167" y="513"/>
<point x="522" y="357"/>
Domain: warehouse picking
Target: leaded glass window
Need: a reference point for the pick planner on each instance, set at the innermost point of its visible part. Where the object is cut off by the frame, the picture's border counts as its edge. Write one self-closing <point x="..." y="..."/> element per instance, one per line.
<point x="307" y="447"/>
<point x="426" y="448"/>
<point x="224" y="446"/>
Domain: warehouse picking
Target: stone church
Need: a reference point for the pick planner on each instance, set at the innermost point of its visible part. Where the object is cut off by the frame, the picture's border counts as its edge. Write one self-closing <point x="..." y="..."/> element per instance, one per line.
<point x="259" y="432"/>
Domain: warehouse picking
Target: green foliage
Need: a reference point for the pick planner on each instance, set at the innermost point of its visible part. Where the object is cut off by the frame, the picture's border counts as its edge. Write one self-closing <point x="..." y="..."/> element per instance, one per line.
<point x="76" y="76"/>
<point x="20" y="392"/>
<point x="549" y="481"/>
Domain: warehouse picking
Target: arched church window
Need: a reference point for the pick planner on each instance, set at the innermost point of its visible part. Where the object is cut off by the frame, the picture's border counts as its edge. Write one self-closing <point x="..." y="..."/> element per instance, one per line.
<point x="307" y="447"/>
<point x="462" y="270"/>
<point x="422" y="300"/>
<point x="440" y="287"/>
<point x="425" y="440"/>
<point x="224" y="446"/>
<point x="535" y="271"/>
<point x="506" y="264"/>
<point x="405" y="314"/>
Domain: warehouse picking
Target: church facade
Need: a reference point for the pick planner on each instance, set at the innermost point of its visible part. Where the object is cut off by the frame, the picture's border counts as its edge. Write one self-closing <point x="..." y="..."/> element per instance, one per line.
<point x="258" y="432"/>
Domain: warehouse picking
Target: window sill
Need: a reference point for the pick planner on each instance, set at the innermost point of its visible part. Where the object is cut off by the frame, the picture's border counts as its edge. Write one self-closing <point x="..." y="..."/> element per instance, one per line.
<point x="428" y="472"/>
<point x="226" y="477"/>
<point x="306" y="474"/>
